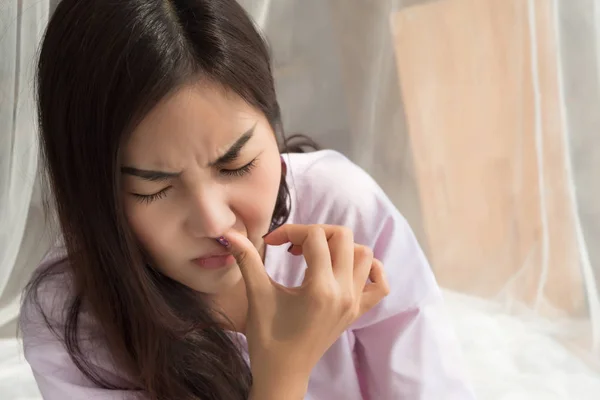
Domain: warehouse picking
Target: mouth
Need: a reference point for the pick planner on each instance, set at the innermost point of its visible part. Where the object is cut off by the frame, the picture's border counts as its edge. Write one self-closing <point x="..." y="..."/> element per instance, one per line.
<point x="214" y="261"/>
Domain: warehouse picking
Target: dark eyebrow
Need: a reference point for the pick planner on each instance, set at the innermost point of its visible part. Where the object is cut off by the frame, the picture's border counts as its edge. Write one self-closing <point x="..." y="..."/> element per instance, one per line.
<point x="230" y="155"/>
<point x="234" y="151"/>
<point x="154" y="176"/>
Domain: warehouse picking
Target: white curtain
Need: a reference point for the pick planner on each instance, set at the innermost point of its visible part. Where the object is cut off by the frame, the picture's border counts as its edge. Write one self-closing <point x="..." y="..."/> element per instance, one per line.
<point x="478" y="117"/>
<point x="22" y="239"/>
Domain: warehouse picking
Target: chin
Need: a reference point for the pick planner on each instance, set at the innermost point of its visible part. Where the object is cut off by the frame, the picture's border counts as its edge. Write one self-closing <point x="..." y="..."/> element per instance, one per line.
<point x="222" y="283"/>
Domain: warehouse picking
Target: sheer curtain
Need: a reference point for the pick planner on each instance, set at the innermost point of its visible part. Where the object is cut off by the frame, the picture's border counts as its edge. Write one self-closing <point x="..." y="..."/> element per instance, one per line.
<point x="22" y="239"/>
<point x="478" y="118"/>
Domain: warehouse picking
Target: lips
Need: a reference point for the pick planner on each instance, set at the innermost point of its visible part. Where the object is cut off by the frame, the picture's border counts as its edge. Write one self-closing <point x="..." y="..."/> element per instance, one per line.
<point x="215" y="260"/>
<point x="213" y="254"/>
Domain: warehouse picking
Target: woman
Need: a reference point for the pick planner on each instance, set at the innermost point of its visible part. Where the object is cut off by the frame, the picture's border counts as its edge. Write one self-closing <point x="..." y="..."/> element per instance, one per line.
<point x="159" y="126"/>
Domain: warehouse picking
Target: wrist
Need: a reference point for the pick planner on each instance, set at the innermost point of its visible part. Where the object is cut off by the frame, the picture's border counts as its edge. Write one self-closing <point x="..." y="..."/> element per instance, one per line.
<point x="278" y="387"/>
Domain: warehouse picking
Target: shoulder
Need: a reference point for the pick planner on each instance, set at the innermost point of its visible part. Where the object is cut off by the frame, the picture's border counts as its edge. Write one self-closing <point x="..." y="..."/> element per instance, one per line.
<point x="328" y="188"/>
<point x="43" y="317"/>
<point x="46" y="298"/>
<point x="47" y="314"/>
<point x="329" y="173"/>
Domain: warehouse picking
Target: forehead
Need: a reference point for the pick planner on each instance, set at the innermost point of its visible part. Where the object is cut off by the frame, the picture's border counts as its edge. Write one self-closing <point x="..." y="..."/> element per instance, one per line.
<point x="198" y="119"/>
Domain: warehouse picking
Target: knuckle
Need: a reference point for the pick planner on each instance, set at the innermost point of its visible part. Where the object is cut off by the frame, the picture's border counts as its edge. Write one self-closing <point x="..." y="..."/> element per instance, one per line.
<point x="346" y="233"/>
<point x="323" y="302"/>
<point x="385" y="289"/>
<point x="369" y="253"/>
<point x="323" y="294"/>
<point x="383" y="284"/>
<point x="363" y="253"/>
<point x="377" y="265"/>
<point x="315" y="230"/>
<point x="355" y="311"/>
<point x="346" y="302"/>
<point x="241" y="258"/>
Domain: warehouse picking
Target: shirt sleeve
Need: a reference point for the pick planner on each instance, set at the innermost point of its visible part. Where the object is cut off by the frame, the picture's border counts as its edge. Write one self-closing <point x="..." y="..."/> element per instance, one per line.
<point x="405" y="346"/>
<point x="56" y="375"/>
<point x="58" y="378"/>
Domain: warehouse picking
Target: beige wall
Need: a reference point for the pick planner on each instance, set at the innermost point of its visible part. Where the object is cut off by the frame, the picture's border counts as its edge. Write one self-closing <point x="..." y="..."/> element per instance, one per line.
<point x="465" y="70"/>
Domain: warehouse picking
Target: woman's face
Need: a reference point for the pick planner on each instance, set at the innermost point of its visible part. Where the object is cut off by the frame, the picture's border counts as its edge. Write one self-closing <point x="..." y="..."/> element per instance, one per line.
<point x="201" y="162"/>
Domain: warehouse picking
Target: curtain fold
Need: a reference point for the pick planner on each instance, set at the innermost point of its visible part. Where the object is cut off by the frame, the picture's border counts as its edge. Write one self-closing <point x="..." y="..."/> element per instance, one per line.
<point x="479" y="118"/>
<point x="22" y="242"/>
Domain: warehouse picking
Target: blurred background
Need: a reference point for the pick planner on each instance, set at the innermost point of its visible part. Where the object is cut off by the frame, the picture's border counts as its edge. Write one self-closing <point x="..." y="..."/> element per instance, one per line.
<point x="479" y="118"/>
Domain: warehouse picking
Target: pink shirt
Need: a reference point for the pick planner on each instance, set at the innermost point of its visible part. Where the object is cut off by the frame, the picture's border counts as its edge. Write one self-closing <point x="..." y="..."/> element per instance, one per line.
<point x="404" y="348"/>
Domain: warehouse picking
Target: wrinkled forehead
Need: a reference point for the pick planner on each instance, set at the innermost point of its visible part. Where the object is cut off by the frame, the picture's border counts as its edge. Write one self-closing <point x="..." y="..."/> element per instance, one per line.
<point x="198" y="119"/>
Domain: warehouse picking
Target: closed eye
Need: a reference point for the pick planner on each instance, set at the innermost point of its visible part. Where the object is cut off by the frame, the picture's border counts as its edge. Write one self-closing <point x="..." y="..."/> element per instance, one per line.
<point x="149" y="198"/>
<point x="238" y="172"/>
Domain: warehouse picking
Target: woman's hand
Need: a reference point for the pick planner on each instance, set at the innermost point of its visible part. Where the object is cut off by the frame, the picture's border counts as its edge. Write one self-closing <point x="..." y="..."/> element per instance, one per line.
<point x="289" y="329"/>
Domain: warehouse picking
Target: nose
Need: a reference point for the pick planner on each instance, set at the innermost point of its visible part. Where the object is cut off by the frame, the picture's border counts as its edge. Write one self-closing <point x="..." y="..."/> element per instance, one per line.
<point x="210" y="214"/>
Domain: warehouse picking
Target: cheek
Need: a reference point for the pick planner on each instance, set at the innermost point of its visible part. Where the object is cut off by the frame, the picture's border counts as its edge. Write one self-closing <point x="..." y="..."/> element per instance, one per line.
<point x="149" y="229"/>
<point x="256" y="199"/>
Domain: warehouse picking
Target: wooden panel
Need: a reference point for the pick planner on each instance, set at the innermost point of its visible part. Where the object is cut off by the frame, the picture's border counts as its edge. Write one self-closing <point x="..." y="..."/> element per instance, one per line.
<point x="469" y="90"/>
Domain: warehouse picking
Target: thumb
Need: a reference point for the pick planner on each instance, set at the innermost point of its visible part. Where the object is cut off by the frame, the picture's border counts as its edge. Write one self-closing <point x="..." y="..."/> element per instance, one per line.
<point x="249" y="261"/>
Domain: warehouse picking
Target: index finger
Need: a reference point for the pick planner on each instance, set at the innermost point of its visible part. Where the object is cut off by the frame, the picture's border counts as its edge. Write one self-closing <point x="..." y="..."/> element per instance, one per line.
<point x="295" y="234"/>
<point x="331" y="255"/>
<point x="249" y="261"/>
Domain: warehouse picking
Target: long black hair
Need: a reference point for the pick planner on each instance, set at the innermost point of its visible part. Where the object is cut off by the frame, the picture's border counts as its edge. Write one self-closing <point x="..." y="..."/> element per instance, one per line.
<point x="103" y="65"/>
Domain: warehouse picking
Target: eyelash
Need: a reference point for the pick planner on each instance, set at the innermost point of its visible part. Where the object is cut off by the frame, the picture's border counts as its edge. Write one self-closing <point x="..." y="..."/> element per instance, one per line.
<point x="234" y="173"/>
<point x="240" y="171"/>
<point x="149" y="198"/>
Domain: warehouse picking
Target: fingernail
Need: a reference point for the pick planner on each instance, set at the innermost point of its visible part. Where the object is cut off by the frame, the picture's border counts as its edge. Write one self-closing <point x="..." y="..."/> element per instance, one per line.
<point x="290" y="248"/>
<point x="222" y="241"/>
